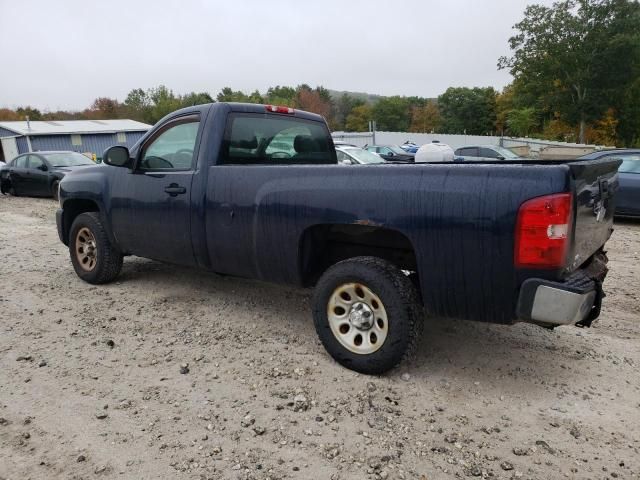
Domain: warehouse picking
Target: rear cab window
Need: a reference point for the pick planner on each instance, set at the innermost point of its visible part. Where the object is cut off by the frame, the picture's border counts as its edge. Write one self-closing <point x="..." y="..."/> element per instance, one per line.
<point x="270" y="139"/>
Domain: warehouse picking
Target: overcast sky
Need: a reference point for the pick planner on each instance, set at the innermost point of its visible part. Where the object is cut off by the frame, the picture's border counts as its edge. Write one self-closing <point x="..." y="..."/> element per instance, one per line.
<point x="65" y="53"/>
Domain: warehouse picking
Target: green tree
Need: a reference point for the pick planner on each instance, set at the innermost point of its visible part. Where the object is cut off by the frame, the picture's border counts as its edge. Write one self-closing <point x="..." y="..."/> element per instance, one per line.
<point x="392" y="114"/>
<point x="504" y="105"/>
<point x="358" y="119"/>
<point x="278" y="95"/>
<point x="340" y="110"/>
<point x="227" y="94"/>
<point x="137" y="106"/>
<point x="577" y="55"/>
<point x="468" y="110"/>
<point x="32" y="113"/>
<point x="164" y="101"/>
<point x="522" y="121"/>
<point x="193" y="98"/>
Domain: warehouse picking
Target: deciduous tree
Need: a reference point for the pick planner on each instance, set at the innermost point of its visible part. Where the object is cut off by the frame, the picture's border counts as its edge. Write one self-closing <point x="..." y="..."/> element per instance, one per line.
<point x="468" y="110"/>
<point x="577" y="55"/>
<point x="358" y="119"/>
<point x="425" y="118"/>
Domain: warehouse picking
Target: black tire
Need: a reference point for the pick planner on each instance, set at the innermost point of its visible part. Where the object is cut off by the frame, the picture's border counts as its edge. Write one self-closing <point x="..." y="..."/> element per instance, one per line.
<point x="404" y="313"/>
<point x="12" y="191"/>
<point x="54" y="189"/>
<point x="107" y="259"/>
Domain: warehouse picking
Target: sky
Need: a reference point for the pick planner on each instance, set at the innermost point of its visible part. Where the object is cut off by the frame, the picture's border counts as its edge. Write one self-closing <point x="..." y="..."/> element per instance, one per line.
<point x="63" y="54"/>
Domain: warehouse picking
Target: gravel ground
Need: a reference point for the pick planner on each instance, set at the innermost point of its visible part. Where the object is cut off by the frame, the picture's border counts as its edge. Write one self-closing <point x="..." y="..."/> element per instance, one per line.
<point x="180" y="374"/>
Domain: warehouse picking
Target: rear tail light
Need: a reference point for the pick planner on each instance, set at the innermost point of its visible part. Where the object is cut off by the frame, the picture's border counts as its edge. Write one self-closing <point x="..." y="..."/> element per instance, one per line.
<point x="542" y="232"/>
<point x="278" y="109"/>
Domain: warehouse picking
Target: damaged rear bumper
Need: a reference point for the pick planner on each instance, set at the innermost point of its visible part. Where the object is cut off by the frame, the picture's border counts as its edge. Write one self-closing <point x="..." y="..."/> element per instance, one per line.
<point x="575" y="300"/>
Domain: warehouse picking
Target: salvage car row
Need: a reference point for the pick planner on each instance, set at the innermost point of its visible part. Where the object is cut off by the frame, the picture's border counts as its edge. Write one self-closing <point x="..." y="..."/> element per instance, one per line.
<point x="39" y="173"/>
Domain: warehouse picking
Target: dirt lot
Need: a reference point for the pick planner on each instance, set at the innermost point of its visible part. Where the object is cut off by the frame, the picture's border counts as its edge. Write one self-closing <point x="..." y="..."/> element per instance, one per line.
<point x="91" y="383"/>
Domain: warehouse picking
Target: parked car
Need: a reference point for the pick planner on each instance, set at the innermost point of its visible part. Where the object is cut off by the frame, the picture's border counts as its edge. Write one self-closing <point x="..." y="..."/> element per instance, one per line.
<point x="378" y="242"/>
<point x="39" y="173"/>
<point x="348" y="155"/>
<point x="484" y="152"/>
<point x="340" y="143"/>
<point x="410" y="147"/>
<point x="391" y="153"/>
<point x="628" y="195"/>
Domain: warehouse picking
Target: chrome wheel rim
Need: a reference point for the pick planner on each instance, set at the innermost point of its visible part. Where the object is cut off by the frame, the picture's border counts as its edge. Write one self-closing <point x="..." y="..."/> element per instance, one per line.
<point x="86" y="249"/>
<point x="357" y="318"/>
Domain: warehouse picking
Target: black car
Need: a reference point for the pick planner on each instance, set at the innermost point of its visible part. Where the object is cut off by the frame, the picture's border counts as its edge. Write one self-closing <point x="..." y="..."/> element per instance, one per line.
<point x="39" y="173"/>
<point x="392" y="153"/>
<point x="628" y="196"/>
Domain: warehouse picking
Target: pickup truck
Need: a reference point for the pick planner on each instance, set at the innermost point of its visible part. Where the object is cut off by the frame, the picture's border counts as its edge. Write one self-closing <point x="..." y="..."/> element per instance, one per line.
<point x="256" y="191"/>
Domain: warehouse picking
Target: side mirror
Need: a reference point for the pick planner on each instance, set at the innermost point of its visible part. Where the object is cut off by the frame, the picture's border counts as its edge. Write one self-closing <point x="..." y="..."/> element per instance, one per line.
<point x="391" y="154"/>
<point x="346" y="161"/>
<point x="43" y="167"/>
<point x="499" y="157"/>
<point x="117" y="156"/>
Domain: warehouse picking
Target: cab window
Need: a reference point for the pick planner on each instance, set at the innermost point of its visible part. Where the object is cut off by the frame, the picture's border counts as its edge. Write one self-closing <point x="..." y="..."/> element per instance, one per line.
<point x="262" y="139"/>
<point x="172" y="148"/>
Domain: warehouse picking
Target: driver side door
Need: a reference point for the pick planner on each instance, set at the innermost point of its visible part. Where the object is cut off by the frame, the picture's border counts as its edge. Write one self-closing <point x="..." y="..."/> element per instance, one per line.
<point x="38" y="176"/>
<point x="151" y="204"/>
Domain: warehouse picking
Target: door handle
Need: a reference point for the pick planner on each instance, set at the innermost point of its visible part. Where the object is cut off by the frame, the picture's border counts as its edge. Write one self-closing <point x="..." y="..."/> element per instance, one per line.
<point x="174" y="190"/>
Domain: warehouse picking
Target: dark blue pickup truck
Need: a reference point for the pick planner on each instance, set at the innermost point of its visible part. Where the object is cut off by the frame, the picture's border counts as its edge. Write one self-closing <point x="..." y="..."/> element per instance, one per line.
<point x="256" y="191"/>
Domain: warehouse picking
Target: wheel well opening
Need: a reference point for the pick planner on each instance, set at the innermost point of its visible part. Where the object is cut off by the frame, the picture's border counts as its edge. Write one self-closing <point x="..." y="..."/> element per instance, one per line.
<point x="324" y="245"/>
<point x="73" y="208"/>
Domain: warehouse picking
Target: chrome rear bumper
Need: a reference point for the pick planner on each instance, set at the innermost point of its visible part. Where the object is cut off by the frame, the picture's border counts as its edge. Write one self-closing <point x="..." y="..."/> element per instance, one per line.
<point x="576" y="300"/>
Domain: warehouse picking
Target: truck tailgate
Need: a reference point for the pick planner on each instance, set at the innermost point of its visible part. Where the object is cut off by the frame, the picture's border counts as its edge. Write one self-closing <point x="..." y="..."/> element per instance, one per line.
<point x="595" y="183"/>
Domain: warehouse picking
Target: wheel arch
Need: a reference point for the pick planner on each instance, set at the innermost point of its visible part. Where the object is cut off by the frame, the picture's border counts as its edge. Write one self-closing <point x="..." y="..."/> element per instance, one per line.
<point x="323" y="245"/>
<point x="71" y="209"/>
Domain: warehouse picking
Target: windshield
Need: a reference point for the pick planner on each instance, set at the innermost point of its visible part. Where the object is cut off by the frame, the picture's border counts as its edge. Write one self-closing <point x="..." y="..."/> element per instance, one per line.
<point x="67" y="159"/>
<point x="506" y="153"/>
<point x="630" y="164"/>
<point x="397" y="150"/>
<point x="363" y="156"/>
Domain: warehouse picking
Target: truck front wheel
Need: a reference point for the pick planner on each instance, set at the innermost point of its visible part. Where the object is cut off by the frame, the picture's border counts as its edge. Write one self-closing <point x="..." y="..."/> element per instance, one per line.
<point x="367" y="314"/>
<point x="94" y="258"/>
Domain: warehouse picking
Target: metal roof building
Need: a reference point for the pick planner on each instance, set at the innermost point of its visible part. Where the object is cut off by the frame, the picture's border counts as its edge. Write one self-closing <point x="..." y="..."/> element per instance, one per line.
<point x="84" y="136"/>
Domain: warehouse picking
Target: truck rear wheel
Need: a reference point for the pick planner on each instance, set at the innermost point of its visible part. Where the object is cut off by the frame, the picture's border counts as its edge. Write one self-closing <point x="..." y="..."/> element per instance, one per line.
<point x="367" y="314"/>
<point x="94" y="258"/>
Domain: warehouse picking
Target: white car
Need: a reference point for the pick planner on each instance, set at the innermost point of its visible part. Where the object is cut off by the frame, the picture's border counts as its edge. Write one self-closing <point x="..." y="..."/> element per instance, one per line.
<point x="349" y="155"/>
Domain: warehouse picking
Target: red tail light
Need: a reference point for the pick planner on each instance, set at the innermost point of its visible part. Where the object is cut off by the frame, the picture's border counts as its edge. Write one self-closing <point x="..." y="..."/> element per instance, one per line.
<point x="542" y="232"/>
<point x="277" y="109"/>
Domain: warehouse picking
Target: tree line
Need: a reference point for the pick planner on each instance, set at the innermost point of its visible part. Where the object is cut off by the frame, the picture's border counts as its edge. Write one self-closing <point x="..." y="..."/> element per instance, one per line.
<point x="576" y="78"/>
